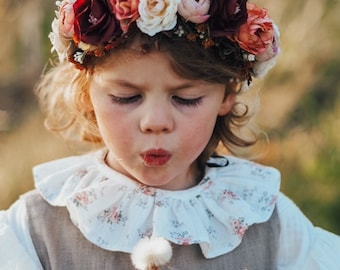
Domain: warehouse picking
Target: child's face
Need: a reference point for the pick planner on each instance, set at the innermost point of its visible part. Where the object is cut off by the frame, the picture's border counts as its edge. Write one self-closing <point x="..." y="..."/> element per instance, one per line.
<point x="154" y="123"/>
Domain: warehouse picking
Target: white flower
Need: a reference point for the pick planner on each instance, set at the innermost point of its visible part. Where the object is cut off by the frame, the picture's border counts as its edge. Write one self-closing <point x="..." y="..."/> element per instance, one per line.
<point x="260" y="69"/>
<point x="151" y="252"/>
<point x="60" y="44"/>
<point x="157" y="15"/>
<point x="79" y="57"/>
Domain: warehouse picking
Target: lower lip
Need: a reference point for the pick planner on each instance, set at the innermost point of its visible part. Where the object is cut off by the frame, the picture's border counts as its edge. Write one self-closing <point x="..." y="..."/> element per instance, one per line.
<point x="156" y="158"/>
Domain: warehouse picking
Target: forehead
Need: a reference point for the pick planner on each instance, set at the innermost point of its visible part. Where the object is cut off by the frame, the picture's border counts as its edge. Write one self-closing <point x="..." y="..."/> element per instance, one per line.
<point x="138" y="68"/>
<point x="131" y="62"/>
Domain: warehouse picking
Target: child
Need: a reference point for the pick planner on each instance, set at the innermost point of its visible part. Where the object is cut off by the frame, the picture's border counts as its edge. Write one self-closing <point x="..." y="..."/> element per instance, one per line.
<point x="156" y="84"/>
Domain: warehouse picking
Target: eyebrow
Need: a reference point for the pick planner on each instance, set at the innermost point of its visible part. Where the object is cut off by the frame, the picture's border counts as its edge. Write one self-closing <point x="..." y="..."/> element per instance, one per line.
<point x="124" y="83"/>
<point x="128" y="84"/>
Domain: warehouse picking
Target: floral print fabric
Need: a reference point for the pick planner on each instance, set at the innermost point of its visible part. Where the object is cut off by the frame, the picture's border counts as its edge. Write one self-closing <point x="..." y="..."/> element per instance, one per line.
<point x="115" y="212"/>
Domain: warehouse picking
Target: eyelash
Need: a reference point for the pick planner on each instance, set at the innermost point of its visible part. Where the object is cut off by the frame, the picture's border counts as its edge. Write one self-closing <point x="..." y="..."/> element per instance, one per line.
<point x="125" y="100"/>
<point x="188" y="102"/>
<point x="181" y="101"/>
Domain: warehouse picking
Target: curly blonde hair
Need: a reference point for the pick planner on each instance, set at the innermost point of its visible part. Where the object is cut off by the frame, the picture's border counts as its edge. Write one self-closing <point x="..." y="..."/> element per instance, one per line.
<point x="63" y="92"/>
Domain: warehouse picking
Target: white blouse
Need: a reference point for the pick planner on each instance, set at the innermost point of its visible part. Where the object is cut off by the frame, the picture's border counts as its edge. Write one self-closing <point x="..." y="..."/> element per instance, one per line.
<point x="115" y="212"/>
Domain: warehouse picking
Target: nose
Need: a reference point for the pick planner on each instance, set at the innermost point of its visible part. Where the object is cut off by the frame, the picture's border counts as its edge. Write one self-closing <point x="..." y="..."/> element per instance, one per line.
<point x="156" y="118"/>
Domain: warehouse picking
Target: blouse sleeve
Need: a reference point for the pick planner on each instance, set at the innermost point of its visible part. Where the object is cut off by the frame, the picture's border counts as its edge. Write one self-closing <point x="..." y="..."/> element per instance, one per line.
<point x="303" y="246"/>
<point x="16" y="246"/>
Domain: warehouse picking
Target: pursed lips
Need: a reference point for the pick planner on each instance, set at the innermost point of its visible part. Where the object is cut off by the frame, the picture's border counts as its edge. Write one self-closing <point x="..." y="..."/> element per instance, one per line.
<point x="156" y="157"/>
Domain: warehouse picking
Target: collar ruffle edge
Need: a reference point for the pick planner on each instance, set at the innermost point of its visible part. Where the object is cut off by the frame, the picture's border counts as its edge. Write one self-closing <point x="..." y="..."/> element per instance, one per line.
<point x="115" y="212"/>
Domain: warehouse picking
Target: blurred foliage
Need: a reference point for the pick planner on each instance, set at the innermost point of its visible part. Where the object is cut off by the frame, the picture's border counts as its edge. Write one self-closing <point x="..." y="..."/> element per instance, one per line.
<point x="310" y="153"/>
<point x="321" y="99"/>
<point x="300" y="102"/>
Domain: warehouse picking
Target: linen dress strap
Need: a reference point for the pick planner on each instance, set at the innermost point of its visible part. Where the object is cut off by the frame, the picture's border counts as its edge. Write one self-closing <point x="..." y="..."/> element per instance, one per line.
<point x="60" y="245"/>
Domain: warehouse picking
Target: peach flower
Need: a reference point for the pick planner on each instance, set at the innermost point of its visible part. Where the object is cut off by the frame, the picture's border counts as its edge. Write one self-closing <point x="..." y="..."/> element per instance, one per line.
<point x="126" y="12"/>
<point x="257" y="33"/>
<point x="194" y="11"/>
<point x="157" y="15"/>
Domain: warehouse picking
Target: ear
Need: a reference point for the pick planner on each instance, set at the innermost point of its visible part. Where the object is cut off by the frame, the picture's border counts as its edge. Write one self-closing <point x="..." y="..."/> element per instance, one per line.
<point x="227" y="104"/>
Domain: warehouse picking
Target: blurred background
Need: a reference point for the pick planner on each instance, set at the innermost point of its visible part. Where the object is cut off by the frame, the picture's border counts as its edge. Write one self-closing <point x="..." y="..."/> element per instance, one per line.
<point x="299" y="102"/>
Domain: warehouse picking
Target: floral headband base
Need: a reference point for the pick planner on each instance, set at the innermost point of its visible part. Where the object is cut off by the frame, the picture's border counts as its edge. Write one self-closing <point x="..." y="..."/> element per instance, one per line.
<point x="85" y="28"/>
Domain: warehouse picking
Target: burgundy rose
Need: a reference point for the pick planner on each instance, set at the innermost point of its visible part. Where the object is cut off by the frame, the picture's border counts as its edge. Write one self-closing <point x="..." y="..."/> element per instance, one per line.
<point x="95" y="23"/>
<point x="226" y="16"/>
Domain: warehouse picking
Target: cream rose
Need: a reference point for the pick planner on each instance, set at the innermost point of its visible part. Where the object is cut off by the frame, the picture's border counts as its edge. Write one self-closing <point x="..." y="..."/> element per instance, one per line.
<point x="194" y="11"/>
<point x="157" y="15"/>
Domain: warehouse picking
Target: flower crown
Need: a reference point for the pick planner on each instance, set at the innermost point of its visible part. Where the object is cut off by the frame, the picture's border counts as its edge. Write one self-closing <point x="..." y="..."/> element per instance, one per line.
<point x="84" y="28"/>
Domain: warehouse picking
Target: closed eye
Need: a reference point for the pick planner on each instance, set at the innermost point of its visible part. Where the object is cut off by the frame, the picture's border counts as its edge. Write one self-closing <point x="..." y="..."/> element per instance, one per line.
<point x="125" y="100"/>
<point x="190" y="102"/>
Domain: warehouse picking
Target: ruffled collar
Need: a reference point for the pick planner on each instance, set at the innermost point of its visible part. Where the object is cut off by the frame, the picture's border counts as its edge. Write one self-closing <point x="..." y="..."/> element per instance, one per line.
<point x="115" y="212"/>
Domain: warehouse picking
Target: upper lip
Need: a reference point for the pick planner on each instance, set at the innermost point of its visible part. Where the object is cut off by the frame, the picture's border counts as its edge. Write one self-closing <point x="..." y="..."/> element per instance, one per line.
<point x="156" y="152"/>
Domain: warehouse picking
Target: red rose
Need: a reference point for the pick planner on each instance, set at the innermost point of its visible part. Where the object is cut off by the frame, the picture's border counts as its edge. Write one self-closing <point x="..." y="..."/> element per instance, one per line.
<point x="94" y="22"/>
<point x="226" y="16"/>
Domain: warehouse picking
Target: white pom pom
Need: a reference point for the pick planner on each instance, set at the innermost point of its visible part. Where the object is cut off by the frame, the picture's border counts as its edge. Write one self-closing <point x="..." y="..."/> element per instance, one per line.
<point x="149" y="253"/>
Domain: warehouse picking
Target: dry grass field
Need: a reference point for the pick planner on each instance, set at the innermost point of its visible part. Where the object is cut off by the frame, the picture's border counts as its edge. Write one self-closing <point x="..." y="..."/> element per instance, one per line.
<point x="300" y="107"/>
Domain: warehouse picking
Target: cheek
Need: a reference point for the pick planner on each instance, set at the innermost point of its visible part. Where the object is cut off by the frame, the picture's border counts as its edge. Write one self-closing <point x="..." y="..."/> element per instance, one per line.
<point x="199" y="132"/>
<point x="114" y="122"/>
<point x="206" y="122"/>
<point x="113" y="127"/>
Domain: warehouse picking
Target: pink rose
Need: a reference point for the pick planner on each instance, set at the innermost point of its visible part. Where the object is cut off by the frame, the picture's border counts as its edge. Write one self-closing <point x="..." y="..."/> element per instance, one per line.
<point x="272" y="49"/>
<point x="194" y="11"/>
<point x="95" y="23"/>
<point x="267" y="59"/>
<point x="257" y="33"/>
<point x="126" y="12"/>
<point x="66" y="17"/>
